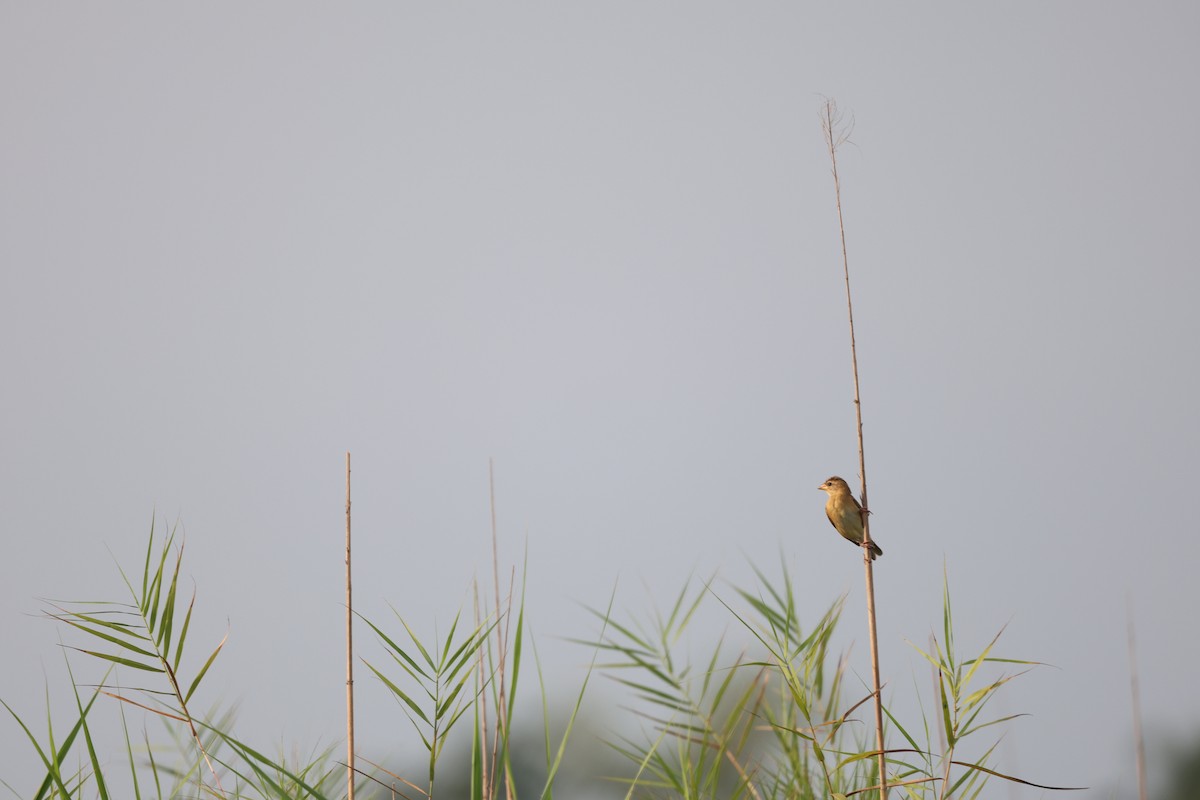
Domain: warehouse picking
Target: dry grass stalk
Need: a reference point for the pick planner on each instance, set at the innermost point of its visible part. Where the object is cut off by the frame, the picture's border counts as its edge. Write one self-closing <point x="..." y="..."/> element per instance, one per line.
<point x="349" y="651"/>
<point x="1139" y="741"/>
<point x="837" y="133"/>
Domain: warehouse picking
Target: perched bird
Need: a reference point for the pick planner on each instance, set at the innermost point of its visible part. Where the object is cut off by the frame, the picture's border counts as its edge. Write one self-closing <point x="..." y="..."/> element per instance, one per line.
<point x="845" y="514"/>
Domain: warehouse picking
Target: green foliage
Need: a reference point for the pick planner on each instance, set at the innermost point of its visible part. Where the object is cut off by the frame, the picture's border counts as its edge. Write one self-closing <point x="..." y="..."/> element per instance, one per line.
<point x="1181" y="771"/>
<point x="774" y="725"/>
<point x="740" y="726"/>
<point x="960" y="704"/>
<point x="58" y="782"/>
<point x="145" y="634"/>
<point x="148" y="634"/>
<point x="770" y="721"/>
<point x="439" y="700"/>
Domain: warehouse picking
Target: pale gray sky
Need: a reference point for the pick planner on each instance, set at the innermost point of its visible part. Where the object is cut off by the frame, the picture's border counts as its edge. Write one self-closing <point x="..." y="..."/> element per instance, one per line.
<point x="596" y="242"/>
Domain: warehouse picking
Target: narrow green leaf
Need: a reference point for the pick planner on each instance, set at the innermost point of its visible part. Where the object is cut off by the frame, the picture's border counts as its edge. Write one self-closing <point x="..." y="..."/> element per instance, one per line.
<point x="552" y="769"/>
<point x="408" y="670"/>
<point x="417" y="642"/>
<point x="446" y="704"/>
<point x="53" y="774"/>
<point x="450" y="723"/>
<point x="903" y="732"/>
<point x="255" y="758"/>
<point x="187" y="622"/>
<point x="119" y="660"/>
<point x="133" y="773"/>
<point x="168" y="615"/>
<point x="477" y="759"/>
<point x="146" y="568"/>
<point x="97" y="771"/>
<point x="204" y="670"/>
<point x="951" y="735"/>
<point x="676" y="701"/>
<point x="1019" y="780"/>
<point x="626" y="632"/>
<point x="974" y="665"/>
<point x="395" y="648"/>
<point x="106" y="637"/>
<point x="516" y="657"/>
<point x="992" y="722"/>
<point x="947" y="619"/>
<point x="156" y="583"/>
<point x="463" y="654"/>
<point x="396" y="690"/>
<point x="131" y="630"/>
<point x="450" y="636"/>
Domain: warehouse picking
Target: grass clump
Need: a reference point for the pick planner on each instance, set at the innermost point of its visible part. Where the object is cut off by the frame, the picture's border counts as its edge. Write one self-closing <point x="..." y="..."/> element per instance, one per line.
<point x="770" y="718"/>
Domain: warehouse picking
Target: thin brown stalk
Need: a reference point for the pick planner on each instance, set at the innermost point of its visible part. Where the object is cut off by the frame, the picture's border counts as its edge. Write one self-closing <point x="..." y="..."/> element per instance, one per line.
<point x="721" y="745"/>
<point x="1139" y="741"/>
<point x="836" y="134"/>
<point x="349" y="651"/>
<point x="392" y="786"/>
<point x="186" y="718"/>
<point x="170" y="671"/>
<point x="741" y="771"/>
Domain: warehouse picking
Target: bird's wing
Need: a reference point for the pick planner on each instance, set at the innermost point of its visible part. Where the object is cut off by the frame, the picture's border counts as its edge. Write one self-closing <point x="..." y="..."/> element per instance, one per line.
<point x="829" y="516"/>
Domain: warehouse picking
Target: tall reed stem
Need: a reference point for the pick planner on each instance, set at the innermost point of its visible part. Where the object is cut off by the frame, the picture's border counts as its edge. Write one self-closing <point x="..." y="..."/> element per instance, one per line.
<point x="1138" y="740"/>
<point x="837" y="134"/>
<point x="349" y="651"/>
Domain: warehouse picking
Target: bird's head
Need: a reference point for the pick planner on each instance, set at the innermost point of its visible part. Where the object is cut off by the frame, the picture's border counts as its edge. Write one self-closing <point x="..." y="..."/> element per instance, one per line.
<point x="835" y="485"/>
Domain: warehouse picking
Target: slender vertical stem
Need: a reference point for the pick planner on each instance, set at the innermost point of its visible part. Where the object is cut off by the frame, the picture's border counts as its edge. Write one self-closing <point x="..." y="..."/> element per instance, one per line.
<point x="1139" y="742"/>
<point x="501" y="641"/>
<point x="835" y="135"/>
<point x="349" y="651"/>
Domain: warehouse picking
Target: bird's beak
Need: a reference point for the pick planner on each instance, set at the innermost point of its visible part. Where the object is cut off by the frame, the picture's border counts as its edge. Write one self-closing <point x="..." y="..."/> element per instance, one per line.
<point x="821" y="488"/>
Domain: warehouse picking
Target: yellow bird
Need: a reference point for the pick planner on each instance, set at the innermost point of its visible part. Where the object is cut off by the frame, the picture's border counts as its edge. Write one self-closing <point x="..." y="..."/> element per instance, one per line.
<point x="845" y="514"/>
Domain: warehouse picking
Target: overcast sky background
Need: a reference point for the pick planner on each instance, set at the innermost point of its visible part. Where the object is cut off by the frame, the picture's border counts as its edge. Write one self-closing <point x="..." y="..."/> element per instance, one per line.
<point x="597" y="244"/>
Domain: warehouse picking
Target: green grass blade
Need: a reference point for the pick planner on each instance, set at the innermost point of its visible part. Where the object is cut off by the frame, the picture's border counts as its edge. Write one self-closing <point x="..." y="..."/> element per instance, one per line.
<point x="398" y="692"/>
<point x="552" y="770"/>
<point x="146" y="568"/>
<point x="420" y="647"/>
<point x="450" y="638"/>
<point x="133" y="773"/>
<point x="53" y="770"/>
<point x="203" y="670"/>
<point x="187" y="622"/>
<point x="151" y="604"/>
<point x="97" y="771"/>
<point x="118" y="660"/>
<point x="106" y="637"/>
<point x="980" y="659"/>
<point x="395" y="648"/>
<point x="168" y="613"/>
<point x="947" y="619"/>
<point x="951" y="734"/>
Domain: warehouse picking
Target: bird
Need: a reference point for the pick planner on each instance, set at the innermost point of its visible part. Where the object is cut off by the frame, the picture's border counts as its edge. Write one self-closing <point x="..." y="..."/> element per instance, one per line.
<point x="845" y="514"/>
